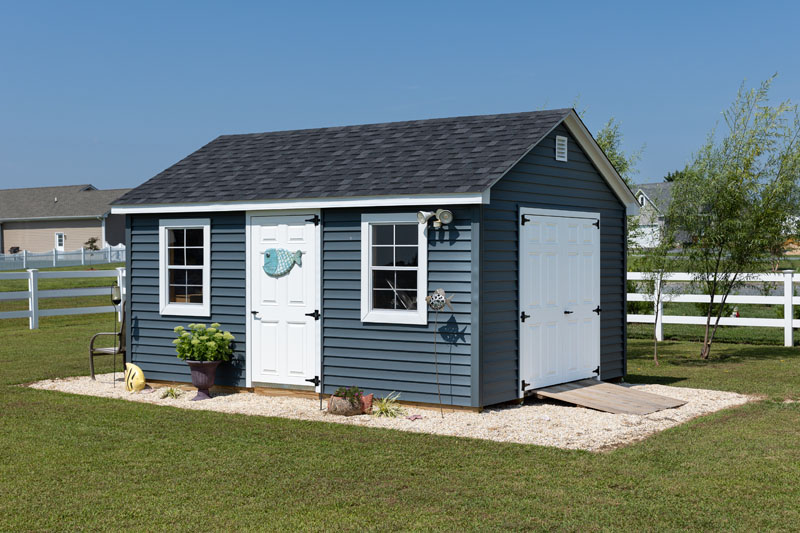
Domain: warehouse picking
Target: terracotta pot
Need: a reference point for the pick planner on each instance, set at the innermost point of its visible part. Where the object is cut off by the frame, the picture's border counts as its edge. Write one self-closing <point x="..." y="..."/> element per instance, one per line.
<point x="342" y="406"/>
<point x="366" y="403"/>
<point x="203" y="373"/>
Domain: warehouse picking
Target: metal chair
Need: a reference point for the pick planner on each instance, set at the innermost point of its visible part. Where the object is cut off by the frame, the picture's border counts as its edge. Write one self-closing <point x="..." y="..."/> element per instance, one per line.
<point x="119" y="349"/>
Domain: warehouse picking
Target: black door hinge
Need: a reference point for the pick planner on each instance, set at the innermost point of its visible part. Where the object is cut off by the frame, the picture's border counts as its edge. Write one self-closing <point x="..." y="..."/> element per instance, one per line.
<point x="523" y="315"/>
<point x="596" y="223"/>
<point x="315" y="219"/>
<point x="597" y="309"/>
<point x="523" y="220"/>
<point x="597" y="370"/>
<point x="315" y="381"/>
<point x="525" y="385"/>
<point x="315" y="314"/>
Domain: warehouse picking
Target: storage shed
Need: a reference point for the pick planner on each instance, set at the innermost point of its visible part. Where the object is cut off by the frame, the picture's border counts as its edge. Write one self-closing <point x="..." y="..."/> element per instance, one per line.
<point x="307" y="246"/>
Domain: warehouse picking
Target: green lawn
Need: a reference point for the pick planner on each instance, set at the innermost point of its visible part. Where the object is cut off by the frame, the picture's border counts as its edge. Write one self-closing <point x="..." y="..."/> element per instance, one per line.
<point x="70" y="462"/>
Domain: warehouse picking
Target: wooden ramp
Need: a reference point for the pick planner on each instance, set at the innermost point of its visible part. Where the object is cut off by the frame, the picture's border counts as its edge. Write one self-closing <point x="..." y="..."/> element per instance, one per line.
<point x="608" y="397"/>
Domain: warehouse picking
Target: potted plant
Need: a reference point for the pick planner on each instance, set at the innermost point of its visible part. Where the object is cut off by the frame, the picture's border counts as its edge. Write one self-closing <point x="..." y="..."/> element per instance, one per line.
<point x="203" y="348"/>
<point x="349" y="401"/>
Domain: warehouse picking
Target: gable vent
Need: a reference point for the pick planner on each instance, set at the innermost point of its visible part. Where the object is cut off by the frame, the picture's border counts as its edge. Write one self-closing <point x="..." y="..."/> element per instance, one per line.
<point x="561" y="148"/>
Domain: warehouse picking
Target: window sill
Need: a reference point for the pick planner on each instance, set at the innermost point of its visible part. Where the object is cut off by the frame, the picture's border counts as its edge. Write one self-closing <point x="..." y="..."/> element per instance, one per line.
<point x="419" y="318"/>
<point x="186" y="310"/>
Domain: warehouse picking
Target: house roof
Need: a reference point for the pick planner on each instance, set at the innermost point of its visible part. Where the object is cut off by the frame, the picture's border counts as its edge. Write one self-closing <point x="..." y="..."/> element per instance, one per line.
<point x="67" y="201"/>
<point x="421" y="157"/>
<point x="659" y="194"/>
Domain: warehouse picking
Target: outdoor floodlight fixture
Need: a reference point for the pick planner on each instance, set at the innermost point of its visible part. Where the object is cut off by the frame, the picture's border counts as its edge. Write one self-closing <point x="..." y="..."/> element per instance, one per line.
<point x="443" y="217"/>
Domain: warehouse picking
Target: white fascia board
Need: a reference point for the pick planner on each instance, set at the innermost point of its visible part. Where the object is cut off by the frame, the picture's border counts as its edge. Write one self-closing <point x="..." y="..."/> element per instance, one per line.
<point x="578" y="130"/>
<point x="442" y="200"/>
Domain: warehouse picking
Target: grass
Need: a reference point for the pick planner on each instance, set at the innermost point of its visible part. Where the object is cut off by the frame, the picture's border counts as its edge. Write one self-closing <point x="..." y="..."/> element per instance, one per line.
<point x="73" y="462"/>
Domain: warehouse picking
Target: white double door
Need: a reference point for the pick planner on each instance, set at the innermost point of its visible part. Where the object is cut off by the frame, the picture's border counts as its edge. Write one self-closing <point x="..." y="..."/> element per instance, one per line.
<point x="284" y="332"/>
<point x="559" y="297"/>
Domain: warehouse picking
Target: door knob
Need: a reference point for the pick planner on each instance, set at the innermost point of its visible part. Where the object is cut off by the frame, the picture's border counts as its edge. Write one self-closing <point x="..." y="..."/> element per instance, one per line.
<point x="568" y="312"/>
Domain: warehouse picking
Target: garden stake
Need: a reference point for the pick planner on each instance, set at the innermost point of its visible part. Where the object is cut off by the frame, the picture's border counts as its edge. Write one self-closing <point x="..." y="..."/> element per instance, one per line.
<point x="437" y="301"/>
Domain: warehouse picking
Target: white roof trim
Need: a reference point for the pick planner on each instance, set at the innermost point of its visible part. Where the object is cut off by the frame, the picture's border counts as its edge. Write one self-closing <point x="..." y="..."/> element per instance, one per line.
<point x="604" y="166"/>
<point x="442" y="200"/>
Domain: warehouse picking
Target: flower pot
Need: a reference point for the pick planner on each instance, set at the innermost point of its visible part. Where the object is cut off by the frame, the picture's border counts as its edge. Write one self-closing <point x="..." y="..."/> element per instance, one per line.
<point x="342" y="406"/>
<point x="203" y="373"/>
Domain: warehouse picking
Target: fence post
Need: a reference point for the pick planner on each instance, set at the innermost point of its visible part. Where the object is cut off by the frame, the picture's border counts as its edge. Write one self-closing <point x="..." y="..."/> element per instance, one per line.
<point x="83" y="256"/>
<point x="33" y="298"/>
<point x="24" y="259"/>
<point x="108" y="253"/>
<point x="658" y="309"/>
<point x="55" y="256"/>
<point x="788" y="308"/>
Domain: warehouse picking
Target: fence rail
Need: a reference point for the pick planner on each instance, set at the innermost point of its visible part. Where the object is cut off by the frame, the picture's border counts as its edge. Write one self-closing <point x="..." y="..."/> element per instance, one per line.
<point x="55" y="258"/>
<point x="33" y="294"/>
<point x="787" y="278"/>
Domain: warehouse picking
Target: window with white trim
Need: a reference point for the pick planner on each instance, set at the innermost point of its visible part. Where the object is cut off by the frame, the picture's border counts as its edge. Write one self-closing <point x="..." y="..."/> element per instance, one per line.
<point x="394" y="269"/>
<point x="185" y="267"/>
<point x="561" y="148"/>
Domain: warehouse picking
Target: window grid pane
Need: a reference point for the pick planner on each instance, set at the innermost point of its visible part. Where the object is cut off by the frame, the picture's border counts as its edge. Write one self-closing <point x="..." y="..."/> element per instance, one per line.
<point x="185" y="258"/>
<point x="393" y="278"/>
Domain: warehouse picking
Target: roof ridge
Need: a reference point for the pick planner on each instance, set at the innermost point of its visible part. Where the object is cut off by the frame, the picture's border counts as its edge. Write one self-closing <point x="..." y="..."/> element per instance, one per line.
<point x="560" y="110"/>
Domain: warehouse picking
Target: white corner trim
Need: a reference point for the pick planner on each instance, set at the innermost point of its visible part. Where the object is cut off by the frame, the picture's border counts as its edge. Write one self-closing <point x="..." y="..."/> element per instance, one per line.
<point x="596" y="155"/>
<point x="420" y="316"/>
<point x="306" y="203"/>
<point x="175" y="309"/>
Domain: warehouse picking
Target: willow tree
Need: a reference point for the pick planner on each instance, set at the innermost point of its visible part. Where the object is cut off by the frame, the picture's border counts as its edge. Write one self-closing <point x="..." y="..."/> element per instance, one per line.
<point x="738" y="197"/>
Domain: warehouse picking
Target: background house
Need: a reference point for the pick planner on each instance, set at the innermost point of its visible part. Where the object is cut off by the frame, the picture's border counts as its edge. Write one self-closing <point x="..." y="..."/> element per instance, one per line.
<point x="40" y="219"/>
<point x="654" y="200"/>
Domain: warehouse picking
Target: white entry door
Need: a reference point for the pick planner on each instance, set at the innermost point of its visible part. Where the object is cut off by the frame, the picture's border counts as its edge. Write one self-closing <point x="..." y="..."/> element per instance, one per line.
<point x="284" y="328"/>
<point x="59" y="241"/>
<point x="559" y="297"/>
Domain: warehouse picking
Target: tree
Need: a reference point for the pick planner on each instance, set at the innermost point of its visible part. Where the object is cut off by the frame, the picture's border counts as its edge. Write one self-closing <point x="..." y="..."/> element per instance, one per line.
<point x="672" y="176"/>
<point x="657" y="262"/>
<point x="738" y="196"/>
<point x="91" y="244"/>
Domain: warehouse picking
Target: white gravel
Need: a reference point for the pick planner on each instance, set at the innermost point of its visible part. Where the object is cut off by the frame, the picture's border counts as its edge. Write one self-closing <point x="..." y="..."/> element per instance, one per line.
<point x="536" y="422"/>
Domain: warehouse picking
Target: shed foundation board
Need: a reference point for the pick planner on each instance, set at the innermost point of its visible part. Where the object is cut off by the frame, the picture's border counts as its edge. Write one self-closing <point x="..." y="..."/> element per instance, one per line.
<point x="608" y="397"/>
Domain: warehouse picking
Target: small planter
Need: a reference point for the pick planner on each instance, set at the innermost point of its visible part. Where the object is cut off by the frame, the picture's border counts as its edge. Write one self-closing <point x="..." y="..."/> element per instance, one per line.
<point x="203" y="374"/>
<point x="342" y="406"/>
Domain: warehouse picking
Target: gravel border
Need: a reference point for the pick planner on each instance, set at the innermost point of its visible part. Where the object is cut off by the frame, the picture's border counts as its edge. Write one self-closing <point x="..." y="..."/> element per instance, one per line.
<point x="544" y="423"/>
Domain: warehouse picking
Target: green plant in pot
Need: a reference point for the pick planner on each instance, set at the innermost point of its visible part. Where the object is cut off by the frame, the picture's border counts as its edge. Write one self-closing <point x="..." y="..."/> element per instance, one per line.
<point x="203" y="348"/>
<point x="349" y="401"/>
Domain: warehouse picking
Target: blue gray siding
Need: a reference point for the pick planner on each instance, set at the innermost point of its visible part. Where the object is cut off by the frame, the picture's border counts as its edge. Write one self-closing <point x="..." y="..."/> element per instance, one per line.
<point x="382" y="358"/>
<point x="150" y="336"/>
<point x="538" y="180"/>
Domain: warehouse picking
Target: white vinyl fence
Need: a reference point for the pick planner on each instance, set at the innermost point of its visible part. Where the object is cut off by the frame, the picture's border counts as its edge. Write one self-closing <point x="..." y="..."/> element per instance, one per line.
<point x="33" y="294"/>
<point x="55" y="258"/>
<point x="786" y="278"/>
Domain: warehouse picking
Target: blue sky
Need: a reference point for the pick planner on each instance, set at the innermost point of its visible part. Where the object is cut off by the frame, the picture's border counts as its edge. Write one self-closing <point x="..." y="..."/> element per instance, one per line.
<point x="111" y="94"/>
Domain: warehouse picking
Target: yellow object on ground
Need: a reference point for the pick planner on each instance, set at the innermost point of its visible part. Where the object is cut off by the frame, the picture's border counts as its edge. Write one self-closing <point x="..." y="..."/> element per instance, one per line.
<point x="134" y="378"/>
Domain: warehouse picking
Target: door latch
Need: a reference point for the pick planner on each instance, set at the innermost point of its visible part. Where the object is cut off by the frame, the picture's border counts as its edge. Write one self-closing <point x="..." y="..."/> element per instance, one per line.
<point x="315" y="314"/>
<point x="568" y="312"/>
<point x="523" y="315"/>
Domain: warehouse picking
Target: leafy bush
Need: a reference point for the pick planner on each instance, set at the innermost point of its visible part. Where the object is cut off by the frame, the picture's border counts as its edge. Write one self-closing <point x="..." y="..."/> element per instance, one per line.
<point x="638" y="308"/>
<point x="388" y="406"/>
<point x="200" y="343"/>
<point x="352" y="394"/>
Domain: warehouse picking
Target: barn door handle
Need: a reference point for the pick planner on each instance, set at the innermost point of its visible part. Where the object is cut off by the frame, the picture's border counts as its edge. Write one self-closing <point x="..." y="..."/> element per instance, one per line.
<point x="568" y="312"/>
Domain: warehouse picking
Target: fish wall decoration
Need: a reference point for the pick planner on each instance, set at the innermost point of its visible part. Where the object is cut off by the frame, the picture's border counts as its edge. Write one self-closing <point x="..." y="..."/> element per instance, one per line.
<point x="278" y="261"/>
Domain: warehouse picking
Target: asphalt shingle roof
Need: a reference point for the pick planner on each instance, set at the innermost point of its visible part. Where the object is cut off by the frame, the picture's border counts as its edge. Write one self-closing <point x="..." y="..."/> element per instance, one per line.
<point x="450" y="155"/>
<point x="54" y="202"/>
<point x="660" y="193"/>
